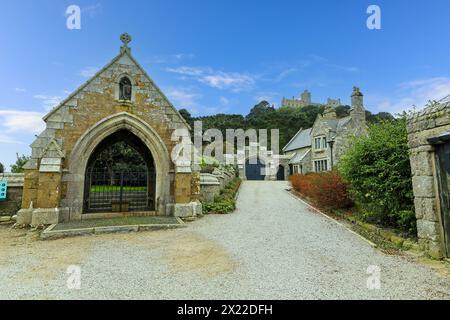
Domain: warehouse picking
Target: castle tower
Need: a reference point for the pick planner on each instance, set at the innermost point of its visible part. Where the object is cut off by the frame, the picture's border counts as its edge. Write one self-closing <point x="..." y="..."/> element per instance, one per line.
<point x="306" y="98"/>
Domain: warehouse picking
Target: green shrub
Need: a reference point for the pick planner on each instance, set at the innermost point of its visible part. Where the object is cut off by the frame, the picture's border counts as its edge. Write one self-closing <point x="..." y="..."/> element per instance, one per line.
<point x="378" y="170"/>
<point x="225" y="202"/>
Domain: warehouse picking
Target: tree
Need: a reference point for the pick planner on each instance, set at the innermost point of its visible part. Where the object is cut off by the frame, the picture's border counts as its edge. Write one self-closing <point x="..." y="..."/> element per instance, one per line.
<point x="342" y="111"/>
<point x="20" y="163"/>
<point x="378" y="170"/>
<point x="187" y="116"/>
<point x="264" y="116"/>
<point x="260" y="113"/>
<point x="381" y="116"/>
<point x="2" y="168"/>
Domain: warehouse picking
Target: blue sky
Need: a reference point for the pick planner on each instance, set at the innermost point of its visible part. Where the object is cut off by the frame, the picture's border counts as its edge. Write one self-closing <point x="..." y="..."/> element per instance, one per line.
<point x="222" y="55"/>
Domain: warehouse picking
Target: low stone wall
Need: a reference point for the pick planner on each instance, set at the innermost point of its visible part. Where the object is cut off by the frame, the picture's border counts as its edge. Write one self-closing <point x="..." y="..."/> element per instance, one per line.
<point x="11" y="205"/>
<point x="212" y="183"/>
<point x="429" y="123"/>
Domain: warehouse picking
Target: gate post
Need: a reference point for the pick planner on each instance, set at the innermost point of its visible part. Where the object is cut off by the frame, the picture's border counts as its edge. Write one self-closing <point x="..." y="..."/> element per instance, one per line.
<point x="186" y="205"/>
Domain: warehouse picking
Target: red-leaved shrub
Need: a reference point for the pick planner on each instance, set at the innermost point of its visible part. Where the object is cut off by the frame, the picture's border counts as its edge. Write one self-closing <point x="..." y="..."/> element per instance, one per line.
<point x="326" y="189"/>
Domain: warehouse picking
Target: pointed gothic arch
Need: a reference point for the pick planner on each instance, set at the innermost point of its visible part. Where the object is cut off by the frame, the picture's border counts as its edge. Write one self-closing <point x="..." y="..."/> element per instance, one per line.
<point x="92" y="138"/>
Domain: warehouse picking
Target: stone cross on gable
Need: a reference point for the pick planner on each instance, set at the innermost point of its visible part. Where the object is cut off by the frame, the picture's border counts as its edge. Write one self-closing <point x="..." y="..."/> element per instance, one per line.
<point x="125" y="38"/>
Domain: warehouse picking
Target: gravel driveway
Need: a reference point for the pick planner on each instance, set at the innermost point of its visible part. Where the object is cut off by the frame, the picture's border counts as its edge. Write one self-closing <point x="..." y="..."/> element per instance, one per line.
<point x="272" y="247"/>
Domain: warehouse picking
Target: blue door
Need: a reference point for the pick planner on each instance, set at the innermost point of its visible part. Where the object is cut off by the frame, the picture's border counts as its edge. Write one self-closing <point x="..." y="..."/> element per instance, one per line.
<point x="254" y="171"/>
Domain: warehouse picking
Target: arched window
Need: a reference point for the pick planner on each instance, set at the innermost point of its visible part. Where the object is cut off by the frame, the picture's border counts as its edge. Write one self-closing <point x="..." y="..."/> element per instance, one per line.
<point x="125" y="89"/>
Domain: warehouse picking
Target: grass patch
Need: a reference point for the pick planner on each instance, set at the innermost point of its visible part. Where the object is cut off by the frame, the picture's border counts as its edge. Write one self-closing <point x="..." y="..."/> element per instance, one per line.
<point x="107" y="188"/>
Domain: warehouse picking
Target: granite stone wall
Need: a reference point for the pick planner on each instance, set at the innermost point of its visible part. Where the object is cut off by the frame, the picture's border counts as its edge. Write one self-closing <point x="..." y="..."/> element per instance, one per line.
<point x="11" y="205"/>
<point x="429" y="123"/>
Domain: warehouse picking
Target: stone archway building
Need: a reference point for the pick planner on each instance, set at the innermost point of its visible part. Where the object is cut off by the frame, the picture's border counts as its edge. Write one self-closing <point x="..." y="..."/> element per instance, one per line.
<point x="270" y="161"/>
<point x="105" y="104"/>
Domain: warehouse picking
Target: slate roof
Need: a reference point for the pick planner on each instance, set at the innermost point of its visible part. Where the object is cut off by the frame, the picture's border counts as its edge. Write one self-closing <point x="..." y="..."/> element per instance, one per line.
<point x="299" y="155"/>
<point x="337" y="124"/>
<point x="302" y="139"/>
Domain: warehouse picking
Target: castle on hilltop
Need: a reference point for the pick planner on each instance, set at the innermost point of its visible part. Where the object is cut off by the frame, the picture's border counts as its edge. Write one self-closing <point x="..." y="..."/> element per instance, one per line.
<point x="305" y="100"/>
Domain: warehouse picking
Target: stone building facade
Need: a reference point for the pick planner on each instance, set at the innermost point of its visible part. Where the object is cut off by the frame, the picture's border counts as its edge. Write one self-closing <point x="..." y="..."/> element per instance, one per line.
<point x="319" y="148"/>
<point x="429" y="142"/>
<point x="120" y="102"/>
<point x="258" y="163"/>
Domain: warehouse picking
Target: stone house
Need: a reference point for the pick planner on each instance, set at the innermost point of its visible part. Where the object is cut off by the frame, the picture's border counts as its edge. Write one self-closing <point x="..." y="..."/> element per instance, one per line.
<point x="120" y="104"/>
<point x="429" y="143"/>
<point x="319" y="148"/>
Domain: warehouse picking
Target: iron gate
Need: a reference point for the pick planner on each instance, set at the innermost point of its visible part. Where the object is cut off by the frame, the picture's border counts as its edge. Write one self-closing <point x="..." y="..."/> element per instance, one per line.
<point x="118" y="191"/>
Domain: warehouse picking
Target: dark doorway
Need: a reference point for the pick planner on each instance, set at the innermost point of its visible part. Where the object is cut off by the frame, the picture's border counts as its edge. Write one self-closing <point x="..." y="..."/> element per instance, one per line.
<point x="280" y="173"/>
<point x="254" y="169"/>
<point x="120" y="176"/>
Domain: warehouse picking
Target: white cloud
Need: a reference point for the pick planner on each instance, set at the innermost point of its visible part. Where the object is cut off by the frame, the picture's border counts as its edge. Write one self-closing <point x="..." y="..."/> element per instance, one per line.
<point x="9" y="140"/>
<point x="48" y="102"/>
<point x="88" y="72"/>
<point x="20" y="90"/>
<point x="286" y="72"/>
<point x="170" y="58"/>
<point x="190" y="71"/>
<point x="233" y="81"/>
<point x="224" y="101"/>
<point x="92" y="10"/>
<point x="189" y="99"/>
<point x="13" y="121"/>
<point x="338" y="67"/>
<point x="184" y="98"/>
<point x="412" y="94"/>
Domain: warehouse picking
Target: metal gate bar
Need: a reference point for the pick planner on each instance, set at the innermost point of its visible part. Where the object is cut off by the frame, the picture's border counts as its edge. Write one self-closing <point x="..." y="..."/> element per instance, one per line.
<point x="117" y="191"/>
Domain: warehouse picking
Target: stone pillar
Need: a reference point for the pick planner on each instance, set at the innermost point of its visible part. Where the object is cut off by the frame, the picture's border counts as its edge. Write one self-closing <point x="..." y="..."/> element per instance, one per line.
<point x="30" y="188"/>
<point x="185" y="206"/>
<point x="182" y="187"/>
<point x="426" y="200"/>
<point x="241" y="169"/>
<point x="195" y="186"/>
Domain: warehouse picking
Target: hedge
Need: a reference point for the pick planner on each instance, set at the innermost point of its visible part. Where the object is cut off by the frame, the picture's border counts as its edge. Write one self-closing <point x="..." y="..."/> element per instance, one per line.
<point x="378" y="171"/>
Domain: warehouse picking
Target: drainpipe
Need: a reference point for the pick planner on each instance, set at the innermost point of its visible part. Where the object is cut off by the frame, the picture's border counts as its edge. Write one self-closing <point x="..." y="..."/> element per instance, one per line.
<point x="331" y="143"/>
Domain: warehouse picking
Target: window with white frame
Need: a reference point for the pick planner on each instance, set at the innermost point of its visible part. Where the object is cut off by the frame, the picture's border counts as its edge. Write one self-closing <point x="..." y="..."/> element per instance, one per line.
<point x="324" y="143"/>
<point x="320" y="143"/>
<point x="320" y="165"/>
